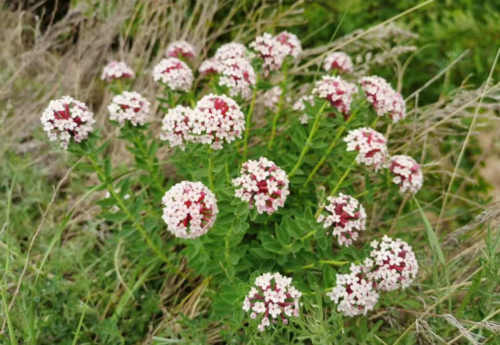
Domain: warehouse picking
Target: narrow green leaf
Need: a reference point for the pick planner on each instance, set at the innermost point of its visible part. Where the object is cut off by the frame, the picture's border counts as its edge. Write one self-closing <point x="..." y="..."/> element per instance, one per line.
<point x="433" y="240"/>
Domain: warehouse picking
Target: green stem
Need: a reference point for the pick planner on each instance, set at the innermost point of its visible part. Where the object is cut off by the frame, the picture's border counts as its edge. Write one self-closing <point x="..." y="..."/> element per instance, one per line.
<point x="280" y="107"/>
<point x="314" y="128"/>
<point x="334" y="142"/>
<point x="249" y="123"/>
<point x="131" y="216"/>
<point x="152" y="166"/>
<point x="210" y="169"/>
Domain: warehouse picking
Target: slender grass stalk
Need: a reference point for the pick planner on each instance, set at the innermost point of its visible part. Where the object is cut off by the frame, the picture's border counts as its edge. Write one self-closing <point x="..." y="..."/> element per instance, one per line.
<point x="280" y="107"/>
<point x="305" y="149"/>
<point x="334" y="142"/>
<point x="249" y="123"/>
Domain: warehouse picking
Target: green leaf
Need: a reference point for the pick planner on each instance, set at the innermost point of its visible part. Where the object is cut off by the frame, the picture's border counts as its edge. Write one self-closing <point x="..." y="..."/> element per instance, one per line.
<point x="431" y="235"/>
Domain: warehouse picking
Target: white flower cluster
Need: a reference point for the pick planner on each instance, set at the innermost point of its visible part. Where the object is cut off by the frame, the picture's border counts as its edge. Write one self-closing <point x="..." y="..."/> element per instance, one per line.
<point x="383" y="98"/>
<point x="116" y="70"/>
<point x="337" y="91"/>
<point x="299" y="105"/>
<point x="274" y="50"/>
<point x="370" y="144"/>
<point x="407" y="173"/>
<point x="395" y="265"/>
<point x="272" y="298"/>
<point x="180" y="49"/>
<point x="354" y="293"/>
<point x="190" y="209"/>
<point x="238" y="75"/>
<point x="216" y="119"/>
<point x="67" y="118"/>
<point x="174" y="73"/>
<point x="339" y="61"/>
<point x="262" y="184"/>
<point x="236" y="72"/>
<point x="176" y="126"/>
<point x="346" y="216"/>
<point x="129" y="106"/>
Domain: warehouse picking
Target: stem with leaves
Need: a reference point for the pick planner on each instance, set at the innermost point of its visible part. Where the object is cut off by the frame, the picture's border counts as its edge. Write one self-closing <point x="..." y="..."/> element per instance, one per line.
<point x="280" y="106"/>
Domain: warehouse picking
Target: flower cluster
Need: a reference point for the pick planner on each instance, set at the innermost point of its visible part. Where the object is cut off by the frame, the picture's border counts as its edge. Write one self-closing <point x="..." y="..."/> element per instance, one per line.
<point x="338" y="61"/>
<point x="230" y="51"/>
<point x="238" y="75"/>
<point x="117" y="70"/>
<point x="300" y="105"/>
<point x="383" y="98"/>
<point x="272" y="298"/>
<point x="176" y="126"/>
<point x="190" y="209"/>
<point x="395" y="265"/>
<point x="180" y="49"/>
<point x="65" y="119"/>
<point x="407" y="173"/>
<point x="129" y="106"/>
<point x="174" y="73"/>
<point x="337" y="91"/>
<point x="346" y="216"/>
<point x="262" y="184"/>
<point x="216" y="119"/>
<point x="354" y="292"/>
<point x="274" y="50"/>
<point x="370" y="144"/>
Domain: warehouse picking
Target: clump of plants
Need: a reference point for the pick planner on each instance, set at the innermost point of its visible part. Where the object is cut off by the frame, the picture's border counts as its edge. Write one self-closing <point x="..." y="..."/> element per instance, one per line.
<point x="268" y="207"/>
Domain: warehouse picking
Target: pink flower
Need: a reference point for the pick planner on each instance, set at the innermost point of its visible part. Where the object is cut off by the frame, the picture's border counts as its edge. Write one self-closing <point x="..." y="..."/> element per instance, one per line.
<point x="262" y="184"/>
<point x="210" y="66"/>
<point x="238" y="75"/>
<point x="290" y="42"/>
<point x="407" y="173"/>
<point x="395" y="265"/>
<point x="383" y="98"/>
<point x="271" y="51"/>
<point x="65" y="119"/>
<point x="339" y="61"/>
<point x="346" y="216"/>
<point x="174" y="73"/>
<point x="230" y="51"/>
<point x="117" y="70"/>
<point x="337" y="91"/>
<point x="300" y="105"/>
<point x="370" y="144"/>
<point x="180" y="49"/>
<point x="354" y="293"/>
<point x="215" y="120"/>
<point x="190" y="209"/>
<point x="177" y="126"/>
<point x="273" y="298"/>
<point x="129" y="106"/>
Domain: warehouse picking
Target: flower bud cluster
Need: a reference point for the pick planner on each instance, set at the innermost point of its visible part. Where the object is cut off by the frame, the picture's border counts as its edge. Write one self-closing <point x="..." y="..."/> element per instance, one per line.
<point x="370" y="144"/>
<point x="174" y="73"/>
<point x="337" y="91"/>
<point x="338" y="61"/>
<point x="117" y="70"/>
<point x="180" y="49"/>
<point x="129" y="106"/>
<point x="272" y="298"/>
<point x="383" y="98"/>
<point x="407" y="173"/>
<point x="274" y="50"/>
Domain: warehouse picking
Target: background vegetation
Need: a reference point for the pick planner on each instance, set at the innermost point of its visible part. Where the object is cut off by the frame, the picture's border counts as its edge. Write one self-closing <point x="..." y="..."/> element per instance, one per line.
<point x="66" y="281"/>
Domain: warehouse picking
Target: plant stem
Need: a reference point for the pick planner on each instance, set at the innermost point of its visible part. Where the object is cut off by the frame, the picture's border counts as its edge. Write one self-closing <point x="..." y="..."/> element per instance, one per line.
<point x="210" y="168"/>
<point x="314" y="128"/>
<point x="340" y="131"/>
<point x="280" y="107"/>
<point x="249" y="123"/>
<point x="131" y="216"/>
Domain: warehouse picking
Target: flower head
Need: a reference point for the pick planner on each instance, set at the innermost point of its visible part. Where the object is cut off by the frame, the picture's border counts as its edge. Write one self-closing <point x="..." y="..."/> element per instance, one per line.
<point x="395" y="265"/>
<point x="117" y="70"/>
<point x="210" y="66"/>
<point x="272" y="299"/>
<point x="337" y="91"/>
<point x="215" y="120"/>
<point x="174" y="73"/>
<point x="230" y="51"/>
<point x="354" y="293"/>
<point x="271" y="51"/>
<point x="407" y="173"/>
<point x="238" y="75"/>
<point x="346" y="216"/>
<point x="383" y="98"/>
<point x="180" y="49"/>
<point x="129" y="106"/>
<point x="339" y="61"/>
<point x="65" y="119"/>
<point x="262" y="184"/>
<point x="290" y="42"/>
<point x="190" y="209"/>
<point x="370" y="144"/>
<point x="177" y="126"/>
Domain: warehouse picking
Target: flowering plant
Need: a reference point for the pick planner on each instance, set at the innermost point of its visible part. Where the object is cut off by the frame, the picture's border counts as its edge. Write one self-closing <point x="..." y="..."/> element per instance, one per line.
<point x="285" y="188"/>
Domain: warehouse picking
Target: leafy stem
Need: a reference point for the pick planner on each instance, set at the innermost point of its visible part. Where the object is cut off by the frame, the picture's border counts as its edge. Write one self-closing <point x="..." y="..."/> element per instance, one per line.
<point x="280" y="106"/>
<point x="249" y="123"/>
